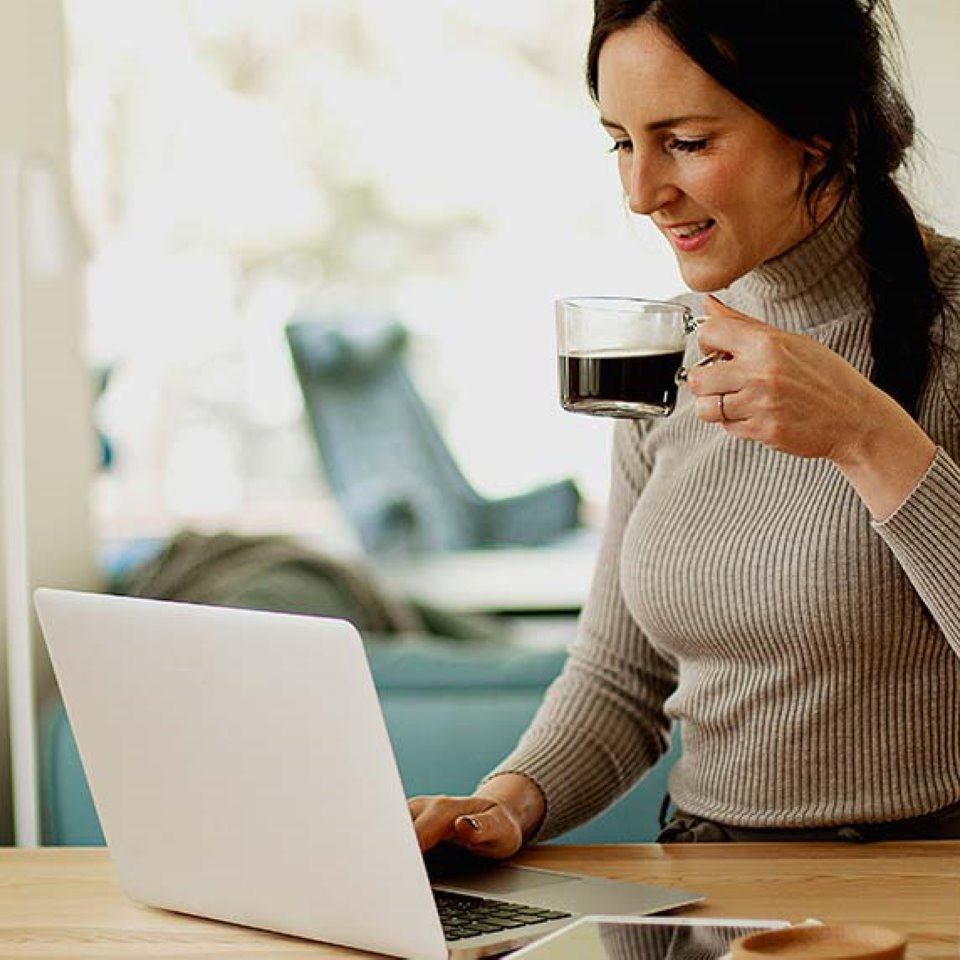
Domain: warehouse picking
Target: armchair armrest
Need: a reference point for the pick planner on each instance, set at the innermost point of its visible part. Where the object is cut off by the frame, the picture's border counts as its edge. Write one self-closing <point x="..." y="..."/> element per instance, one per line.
<point x="532" y="518"/>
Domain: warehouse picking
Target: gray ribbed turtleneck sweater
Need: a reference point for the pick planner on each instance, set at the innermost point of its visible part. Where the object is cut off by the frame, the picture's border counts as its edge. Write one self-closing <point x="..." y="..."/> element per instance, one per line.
<point x="813" y="656"/>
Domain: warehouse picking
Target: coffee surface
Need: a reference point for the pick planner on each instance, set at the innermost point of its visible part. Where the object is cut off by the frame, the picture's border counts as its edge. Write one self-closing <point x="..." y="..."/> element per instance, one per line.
<point x="620" y="383"/>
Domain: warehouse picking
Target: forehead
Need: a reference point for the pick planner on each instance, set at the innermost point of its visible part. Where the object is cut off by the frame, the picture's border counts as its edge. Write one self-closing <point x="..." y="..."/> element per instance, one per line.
<point x="643" y="76"/>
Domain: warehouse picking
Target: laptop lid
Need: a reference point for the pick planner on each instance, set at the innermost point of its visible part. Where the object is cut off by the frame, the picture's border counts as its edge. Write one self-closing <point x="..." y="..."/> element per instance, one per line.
<point x="199" y="729"/>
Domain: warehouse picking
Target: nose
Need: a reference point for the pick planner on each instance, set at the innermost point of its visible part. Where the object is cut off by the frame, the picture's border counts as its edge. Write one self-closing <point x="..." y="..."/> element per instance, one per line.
<point x="646" y="185"/>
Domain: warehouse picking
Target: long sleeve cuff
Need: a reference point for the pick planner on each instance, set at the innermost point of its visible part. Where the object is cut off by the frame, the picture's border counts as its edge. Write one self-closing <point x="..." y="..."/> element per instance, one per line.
<point x="924" y="535"/>
<point x="578" y="776"/>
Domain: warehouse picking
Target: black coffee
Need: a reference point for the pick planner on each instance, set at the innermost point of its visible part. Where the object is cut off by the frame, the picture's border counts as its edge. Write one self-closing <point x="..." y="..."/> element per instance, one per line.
<point x="615" y="384"/>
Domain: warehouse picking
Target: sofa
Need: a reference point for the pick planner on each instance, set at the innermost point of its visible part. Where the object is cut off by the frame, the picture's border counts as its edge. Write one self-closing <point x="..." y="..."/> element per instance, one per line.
<point x="452" y="710"/>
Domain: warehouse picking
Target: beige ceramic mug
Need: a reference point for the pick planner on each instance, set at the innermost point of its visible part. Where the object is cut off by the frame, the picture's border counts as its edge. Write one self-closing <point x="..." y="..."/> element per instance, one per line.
<point x="845" y="942"/>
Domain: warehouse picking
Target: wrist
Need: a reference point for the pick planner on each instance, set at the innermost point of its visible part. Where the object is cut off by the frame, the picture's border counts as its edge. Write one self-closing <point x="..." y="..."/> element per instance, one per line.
<point x="886" y="458"/>
<point x="522" y="797"/>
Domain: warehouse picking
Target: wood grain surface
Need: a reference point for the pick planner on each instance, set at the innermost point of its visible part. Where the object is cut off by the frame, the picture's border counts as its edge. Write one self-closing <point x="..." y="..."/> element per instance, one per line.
<point x="65" y="903"/>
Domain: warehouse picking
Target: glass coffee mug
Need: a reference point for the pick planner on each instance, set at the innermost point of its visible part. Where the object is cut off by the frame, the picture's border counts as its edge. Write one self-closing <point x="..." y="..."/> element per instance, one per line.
<point x="622" y="357"/>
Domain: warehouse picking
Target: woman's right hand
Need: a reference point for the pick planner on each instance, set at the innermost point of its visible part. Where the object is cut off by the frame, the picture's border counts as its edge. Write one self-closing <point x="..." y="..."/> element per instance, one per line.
<point x="493" y="823"/>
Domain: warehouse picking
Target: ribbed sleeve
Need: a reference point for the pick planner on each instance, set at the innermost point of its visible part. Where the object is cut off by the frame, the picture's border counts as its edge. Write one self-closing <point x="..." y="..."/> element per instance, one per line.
<point x="924" y="534"/>
<point x="601" y="724"/>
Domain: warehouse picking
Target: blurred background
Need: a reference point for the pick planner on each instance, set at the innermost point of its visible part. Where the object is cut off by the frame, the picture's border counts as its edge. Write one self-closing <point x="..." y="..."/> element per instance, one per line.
<point x="234" y="159"/>
<point x="213" y="166"/>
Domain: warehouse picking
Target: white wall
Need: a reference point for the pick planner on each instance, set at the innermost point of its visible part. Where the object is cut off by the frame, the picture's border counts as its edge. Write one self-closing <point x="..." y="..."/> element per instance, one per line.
<point x="59" y="442"/>
<point x="929" y="30"/>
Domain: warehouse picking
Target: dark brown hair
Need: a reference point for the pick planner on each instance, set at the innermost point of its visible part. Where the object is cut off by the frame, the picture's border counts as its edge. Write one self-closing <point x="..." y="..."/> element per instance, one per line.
<point x="819" y="71"/>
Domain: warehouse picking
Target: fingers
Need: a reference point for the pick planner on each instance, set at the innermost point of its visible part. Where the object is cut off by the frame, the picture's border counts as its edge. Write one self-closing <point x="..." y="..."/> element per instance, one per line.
<point x="480" y="824"/>
<point x="722" y="408"/>
<point x="723" y="390"/>
<point x="434" y="817"/>
<point x="721" y="376"/>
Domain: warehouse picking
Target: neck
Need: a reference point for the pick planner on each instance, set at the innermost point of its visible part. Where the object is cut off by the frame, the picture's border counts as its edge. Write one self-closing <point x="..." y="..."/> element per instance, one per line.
<point x="815" y="281"/>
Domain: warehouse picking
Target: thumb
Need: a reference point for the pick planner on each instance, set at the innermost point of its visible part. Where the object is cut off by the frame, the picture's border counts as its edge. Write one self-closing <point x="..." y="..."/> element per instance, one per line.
<point x="726" y="330"/>
<point x="492" y="832"/>
<point x="716" y="308"/>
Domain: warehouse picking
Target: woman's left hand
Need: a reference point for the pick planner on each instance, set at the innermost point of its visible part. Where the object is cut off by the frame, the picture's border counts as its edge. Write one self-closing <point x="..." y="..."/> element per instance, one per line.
<point x="799" y="397"/>
<point x="782" y="389"/>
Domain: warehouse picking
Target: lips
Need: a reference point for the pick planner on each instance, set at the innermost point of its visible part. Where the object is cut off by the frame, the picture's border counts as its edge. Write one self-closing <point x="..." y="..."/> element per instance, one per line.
<point x="690" y="236"/>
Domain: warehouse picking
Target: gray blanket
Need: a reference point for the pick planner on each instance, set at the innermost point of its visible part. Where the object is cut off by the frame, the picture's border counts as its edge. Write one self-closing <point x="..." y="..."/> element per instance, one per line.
<point x="280" y="574"/>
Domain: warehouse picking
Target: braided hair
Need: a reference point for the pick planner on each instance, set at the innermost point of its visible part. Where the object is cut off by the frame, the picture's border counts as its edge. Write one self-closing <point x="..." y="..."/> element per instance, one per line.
<point x="819" y="70"/>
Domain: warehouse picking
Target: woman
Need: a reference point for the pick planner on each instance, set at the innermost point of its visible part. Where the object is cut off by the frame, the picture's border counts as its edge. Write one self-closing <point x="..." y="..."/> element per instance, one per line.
<point x="779" y="569"/>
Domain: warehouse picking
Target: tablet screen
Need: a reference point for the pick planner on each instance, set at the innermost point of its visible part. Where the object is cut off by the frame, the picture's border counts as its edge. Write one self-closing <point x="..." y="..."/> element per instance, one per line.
<point x="643" y="938"/>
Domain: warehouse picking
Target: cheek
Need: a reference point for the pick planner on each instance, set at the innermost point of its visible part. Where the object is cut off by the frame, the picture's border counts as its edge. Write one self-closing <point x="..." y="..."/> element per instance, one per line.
<point x="745" y="186"/>
<point x="717" y="185"/>
<point x="776" y="170"/>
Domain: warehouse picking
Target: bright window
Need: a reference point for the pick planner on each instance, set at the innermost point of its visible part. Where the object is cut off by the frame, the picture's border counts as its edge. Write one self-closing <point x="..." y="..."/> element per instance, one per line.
<point x="235" y="159"/>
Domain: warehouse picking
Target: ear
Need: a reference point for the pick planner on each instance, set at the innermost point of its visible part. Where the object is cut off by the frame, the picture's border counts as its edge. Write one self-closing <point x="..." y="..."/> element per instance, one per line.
<point x="815" y="152"/>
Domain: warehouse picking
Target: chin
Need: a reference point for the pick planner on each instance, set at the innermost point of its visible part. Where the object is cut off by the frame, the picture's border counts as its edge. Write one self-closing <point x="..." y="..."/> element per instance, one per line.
<point x="703" y="278"/>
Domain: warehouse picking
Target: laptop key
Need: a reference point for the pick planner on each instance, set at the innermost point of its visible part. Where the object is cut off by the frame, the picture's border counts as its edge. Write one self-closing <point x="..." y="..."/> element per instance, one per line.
<point x="463" y="915"/>
<point x="508" y="923"/>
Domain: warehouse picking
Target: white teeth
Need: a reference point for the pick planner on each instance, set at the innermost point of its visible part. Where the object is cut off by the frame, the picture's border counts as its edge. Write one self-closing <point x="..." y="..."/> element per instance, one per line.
<point x="686" y="232"/>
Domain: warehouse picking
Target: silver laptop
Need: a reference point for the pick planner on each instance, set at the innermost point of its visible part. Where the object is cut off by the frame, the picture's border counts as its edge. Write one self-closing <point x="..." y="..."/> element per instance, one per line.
<point x="242" y="771"/>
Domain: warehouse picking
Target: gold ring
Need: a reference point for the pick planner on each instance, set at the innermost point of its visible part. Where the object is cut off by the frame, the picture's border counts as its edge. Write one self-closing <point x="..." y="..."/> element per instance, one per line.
<point x="723" y="413"/>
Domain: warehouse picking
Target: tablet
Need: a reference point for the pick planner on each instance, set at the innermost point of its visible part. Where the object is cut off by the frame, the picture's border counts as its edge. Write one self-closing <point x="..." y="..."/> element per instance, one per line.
<point x="644" y="938"/>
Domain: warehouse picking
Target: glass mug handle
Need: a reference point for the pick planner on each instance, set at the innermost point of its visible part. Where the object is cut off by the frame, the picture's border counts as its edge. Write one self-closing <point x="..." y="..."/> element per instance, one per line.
<point x="690" y="325"/>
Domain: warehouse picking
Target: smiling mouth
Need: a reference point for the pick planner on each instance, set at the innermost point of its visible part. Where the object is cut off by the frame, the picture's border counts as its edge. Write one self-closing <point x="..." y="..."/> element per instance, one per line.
<point x="689" y="231"/>
<point x="691" y="238"/>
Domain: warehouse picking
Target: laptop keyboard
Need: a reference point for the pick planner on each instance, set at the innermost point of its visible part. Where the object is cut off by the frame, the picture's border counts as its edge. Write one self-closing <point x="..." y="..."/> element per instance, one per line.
<point x="464" y="916"/>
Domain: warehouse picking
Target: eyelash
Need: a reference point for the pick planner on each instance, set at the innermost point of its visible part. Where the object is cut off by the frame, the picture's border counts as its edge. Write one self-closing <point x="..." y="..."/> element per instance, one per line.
<point x="688" y="146"/>
<point x="685" y="146"/>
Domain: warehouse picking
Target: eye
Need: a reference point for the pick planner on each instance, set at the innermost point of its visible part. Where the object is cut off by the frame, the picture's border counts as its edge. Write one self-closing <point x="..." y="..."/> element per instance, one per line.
<point x="620" y="146"/>
<point x="687" y="146"/>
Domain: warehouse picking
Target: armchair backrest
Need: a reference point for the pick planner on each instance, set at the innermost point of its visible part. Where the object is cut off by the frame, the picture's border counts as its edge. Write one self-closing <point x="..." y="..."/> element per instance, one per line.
<point x="380" y="448"/>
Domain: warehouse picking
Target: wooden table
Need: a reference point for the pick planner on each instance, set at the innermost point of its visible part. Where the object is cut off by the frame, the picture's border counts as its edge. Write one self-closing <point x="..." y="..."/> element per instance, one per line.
<point x="65" y="903"/>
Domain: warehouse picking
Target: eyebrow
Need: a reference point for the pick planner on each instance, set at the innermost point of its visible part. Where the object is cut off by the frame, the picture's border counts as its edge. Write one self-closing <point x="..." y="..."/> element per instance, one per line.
<point x="662" y="124"/>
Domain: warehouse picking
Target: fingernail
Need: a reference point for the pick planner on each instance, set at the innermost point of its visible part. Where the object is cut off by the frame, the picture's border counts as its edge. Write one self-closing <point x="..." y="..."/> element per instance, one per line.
<point x="473" y="822"/>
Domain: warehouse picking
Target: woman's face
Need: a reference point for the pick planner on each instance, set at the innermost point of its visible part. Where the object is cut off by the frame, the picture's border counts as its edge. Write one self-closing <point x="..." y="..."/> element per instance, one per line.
<point x="723" y="185"/>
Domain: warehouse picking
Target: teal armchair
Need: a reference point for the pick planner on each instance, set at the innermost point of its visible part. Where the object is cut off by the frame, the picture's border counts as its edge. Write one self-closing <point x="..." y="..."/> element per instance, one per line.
<point x="385" y="458"/>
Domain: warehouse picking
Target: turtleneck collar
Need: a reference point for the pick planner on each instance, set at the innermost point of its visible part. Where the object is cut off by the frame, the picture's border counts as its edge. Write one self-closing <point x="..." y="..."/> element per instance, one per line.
<point x="819" y="280"/>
